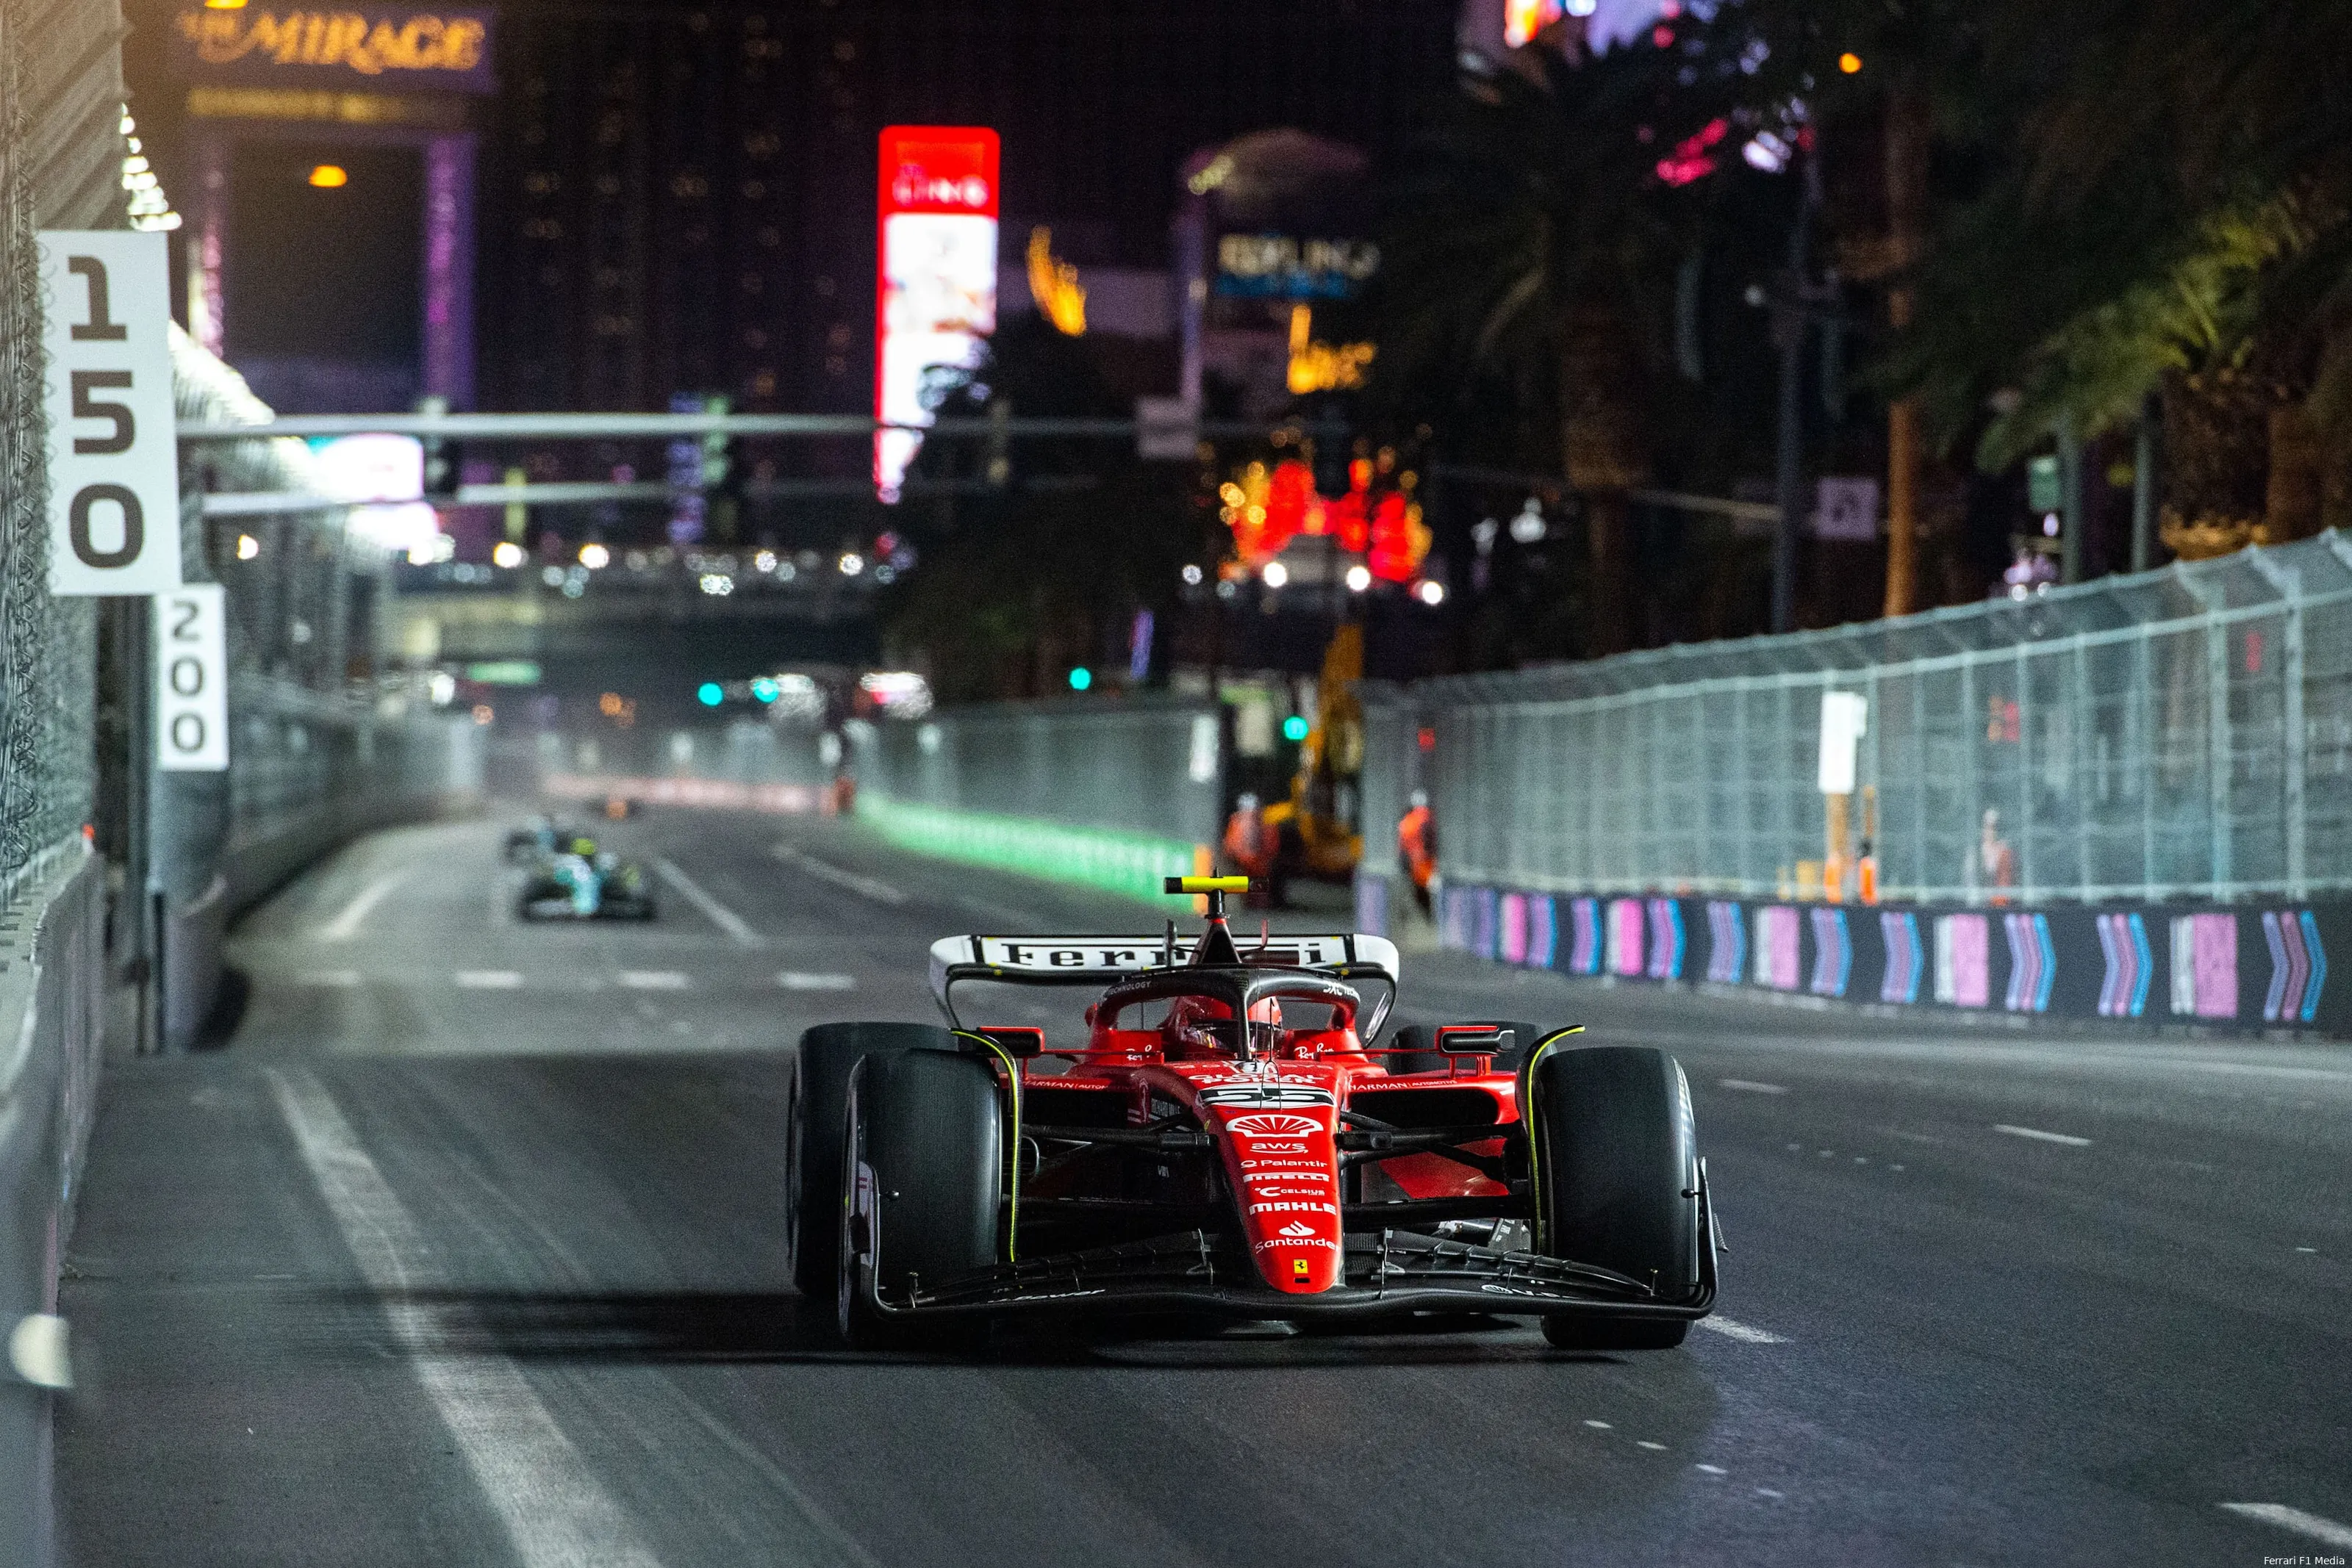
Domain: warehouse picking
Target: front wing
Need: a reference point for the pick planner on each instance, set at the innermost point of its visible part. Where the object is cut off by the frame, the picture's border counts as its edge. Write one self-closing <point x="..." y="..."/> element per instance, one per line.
<point x="1383" y="1273"/>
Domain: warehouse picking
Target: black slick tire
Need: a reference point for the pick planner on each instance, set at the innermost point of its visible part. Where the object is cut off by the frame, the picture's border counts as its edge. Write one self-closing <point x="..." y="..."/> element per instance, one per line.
<point x="1616" y="1162"/>
<point x="814" y="1103"/>
<point x="926" y="1129"/>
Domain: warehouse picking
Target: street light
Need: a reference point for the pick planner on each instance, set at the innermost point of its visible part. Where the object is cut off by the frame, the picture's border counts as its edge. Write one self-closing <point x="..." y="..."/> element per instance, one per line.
<point x="595" y="557"/>
<point x="1276" y="574"/>
<point x="1430" y="592"/>
<point x="1360" y="578"/>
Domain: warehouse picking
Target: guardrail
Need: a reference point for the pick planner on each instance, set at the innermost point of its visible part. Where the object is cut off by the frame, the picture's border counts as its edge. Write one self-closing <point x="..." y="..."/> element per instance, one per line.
<point x="52" y="964"/>
<point x="1114" y="794"/>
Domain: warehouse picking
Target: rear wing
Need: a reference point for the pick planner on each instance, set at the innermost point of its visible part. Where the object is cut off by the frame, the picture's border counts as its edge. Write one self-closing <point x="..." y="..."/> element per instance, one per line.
<point x="1099" y="960"/>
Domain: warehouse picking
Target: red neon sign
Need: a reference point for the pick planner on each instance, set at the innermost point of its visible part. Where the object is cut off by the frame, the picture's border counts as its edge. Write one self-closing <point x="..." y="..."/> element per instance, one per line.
<point x="935" y="274"/>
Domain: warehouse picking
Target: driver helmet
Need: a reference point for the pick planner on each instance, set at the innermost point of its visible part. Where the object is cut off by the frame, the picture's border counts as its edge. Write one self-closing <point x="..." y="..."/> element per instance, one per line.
<point x="1186" y="1034"/>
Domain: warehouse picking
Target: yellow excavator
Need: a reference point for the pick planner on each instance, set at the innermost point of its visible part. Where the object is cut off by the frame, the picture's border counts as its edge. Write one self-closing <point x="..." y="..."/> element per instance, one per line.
<point x="1318" y="828"/>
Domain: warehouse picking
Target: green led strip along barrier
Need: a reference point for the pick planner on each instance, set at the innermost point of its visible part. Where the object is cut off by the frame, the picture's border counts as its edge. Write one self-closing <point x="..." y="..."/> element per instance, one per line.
<point x="1128" y="863"/>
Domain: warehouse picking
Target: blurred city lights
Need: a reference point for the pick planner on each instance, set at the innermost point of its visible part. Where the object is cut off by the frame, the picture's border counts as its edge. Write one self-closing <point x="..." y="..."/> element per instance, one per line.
<point x="441" y="687"/>
<point x="765" y="688"/>
<point x="1849" y="62"/>
<point x="595" y="557"/>
<point x="1295" y="727"/>
<point x="330" y="176"/>
<point x="483" y="713"/>
<point x="1191" y="577"/>
<point x="1430" y="592"/>
<point x="851" y="563"/>
<point x="717" y="584"/>
<point x="1360" y="578"/>
<point x="1527" y="527"/>
<point x="1081" y="678"/>
<point x="1276" y="574"/>
<point x="900" y="693"/>
<point x="764" y="562"/>
<point x="710" y="694"/>
<point x="506" y="553"/>
<point x="247" y="547"/>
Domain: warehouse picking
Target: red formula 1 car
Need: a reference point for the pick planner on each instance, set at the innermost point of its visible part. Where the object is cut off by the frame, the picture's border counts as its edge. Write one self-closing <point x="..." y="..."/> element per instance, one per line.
<point x="1223" y="1140"/>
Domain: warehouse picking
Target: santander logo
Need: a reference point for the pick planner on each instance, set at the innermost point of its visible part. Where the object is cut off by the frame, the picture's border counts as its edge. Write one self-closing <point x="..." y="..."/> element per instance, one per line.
<point x="1297" y="1228"/>
<point x="1274" y="1126"/>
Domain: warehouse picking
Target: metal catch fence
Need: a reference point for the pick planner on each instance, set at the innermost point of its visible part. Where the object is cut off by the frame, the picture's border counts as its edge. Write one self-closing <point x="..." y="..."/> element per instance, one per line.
<point x="2179" y="733"/>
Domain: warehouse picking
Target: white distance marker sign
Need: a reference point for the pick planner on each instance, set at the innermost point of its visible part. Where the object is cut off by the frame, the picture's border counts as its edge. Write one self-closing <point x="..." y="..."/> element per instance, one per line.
<point x="114" y="477"/>
<point x="191" y="681"/>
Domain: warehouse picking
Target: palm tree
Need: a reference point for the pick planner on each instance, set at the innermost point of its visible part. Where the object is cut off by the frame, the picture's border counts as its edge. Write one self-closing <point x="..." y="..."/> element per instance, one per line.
<point x="1528" y="246"/>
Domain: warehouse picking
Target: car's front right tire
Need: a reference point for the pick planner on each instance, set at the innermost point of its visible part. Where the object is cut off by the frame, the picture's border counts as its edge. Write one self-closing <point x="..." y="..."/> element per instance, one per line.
<point x="923" y="1174"/>
<point x="815" y="1098"/>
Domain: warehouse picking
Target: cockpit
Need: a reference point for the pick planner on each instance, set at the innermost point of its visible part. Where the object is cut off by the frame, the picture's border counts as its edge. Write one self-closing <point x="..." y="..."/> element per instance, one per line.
<point x="1194" y="1015"/>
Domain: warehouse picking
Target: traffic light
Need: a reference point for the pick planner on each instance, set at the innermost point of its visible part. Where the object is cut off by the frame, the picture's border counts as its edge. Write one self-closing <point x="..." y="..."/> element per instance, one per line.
<point x="441" y="465"/>
<point x="722" y="483"/>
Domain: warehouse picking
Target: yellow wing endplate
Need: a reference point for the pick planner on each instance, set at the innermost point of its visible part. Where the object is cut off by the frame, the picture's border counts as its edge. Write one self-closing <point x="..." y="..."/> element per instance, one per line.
<point x="1207" y="885"/>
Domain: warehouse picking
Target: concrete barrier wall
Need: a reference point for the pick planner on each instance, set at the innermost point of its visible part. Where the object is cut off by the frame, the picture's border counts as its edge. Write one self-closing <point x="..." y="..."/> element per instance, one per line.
<point x="51" y="970"/>
<point x="2257" y="967"/>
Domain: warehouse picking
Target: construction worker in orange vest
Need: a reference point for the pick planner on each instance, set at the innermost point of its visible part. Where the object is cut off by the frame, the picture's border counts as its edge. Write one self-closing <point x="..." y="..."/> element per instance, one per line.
<point x="1417" y="846"/>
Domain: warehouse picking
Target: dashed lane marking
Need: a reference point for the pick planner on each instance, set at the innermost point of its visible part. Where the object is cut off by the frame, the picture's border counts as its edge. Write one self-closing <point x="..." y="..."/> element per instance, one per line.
<point x="795" y="980"/>
<point x="542" y="1490"/>
<point x="2321" y="1530"/>
<point x="1600" y="1426"/>
<point x="2039" y="1136"/>
<point x="864" y="886"/>
<point x="718" y="914"/>
<point x="1711" y="1470"/>
<point x="1645" y="1443"/>
<point x="1750" y="1086"/>
<point x="653" y="980"/>
<point x="1746" y="1333"/>
<point x="490" y="979"/>
<point x="346" y="922"/>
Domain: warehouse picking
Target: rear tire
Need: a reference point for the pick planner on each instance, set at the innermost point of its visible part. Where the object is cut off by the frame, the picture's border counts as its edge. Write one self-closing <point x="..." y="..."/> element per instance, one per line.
<point x="929" y="1129"/>
<point x="1616" y="1184"/>
<point x="814" y="1110"/>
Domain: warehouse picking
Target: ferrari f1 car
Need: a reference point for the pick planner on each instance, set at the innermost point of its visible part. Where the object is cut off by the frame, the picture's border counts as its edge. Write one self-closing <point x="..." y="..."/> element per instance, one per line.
<point x="1228" y="1141"/>
<point x="580" y="882"/>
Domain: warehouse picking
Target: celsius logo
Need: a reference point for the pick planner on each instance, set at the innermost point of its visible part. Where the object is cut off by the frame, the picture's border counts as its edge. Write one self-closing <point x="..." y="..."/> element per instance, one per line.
<point x="1274" y="1126"/>
<point x="1297" y="1228"/>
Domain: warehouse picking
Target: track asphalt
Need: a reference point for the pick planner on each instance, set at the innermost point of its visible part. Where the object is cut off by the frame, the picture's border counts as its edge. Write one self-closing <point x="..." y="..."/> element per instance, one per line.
<point x="464" y="1249"/>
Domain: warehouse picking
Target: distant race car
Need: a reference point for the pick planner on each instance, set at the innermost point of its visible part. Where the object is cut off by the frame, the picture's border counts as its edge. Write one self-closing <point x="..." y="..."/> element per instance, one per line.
<point x="580" y="882"/>
<point x="540" y="836"/>
<point x="1224" y="1142"/>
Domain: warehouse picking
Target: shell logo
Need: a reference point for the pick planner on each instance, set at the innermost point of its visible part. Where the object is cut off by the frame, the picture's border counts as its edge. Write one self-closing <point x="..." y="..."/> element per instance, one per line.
<point x="1274" y="1126"/>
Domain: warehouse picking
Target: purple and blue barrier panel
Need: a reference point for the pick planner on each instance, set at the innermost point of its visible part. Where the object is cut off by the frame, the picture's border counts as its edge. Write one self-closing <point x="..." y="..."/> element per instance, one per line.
<point x="2254" y="967"/>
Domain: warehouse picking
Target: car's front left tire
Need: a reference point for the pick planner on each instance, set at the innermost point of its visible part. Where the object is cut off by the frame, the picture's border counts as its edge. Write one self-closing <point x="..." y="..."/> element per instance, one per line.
<point x="1616" y="1184"/>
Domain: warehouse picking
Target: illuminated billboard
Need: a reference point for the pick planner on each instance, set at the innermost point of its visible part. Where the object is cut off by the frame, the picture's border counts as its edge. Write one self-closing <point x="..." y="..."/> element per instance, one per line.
<point x="385" y="47"/>
<point x="935" y="284"/>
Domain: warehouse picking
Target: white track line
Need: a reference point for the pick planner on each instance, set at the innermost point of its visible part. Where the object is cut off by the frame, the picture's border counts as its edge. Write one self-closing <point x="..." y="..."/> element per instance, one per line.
<point x="2295" y="1519"/>
<point x="795" y="980"/>
<point x="864" y="886"/>
<point x="1750" y="1086"/>
<point x="490" y="979"/>
<point x="1731" y="1328"/>
<point x="555" y="1514"/>
<point x="726" y="919"/>
<point x="2038" y="1136"/>
<point x="653" y="980"/>
<point x="346" y="923"/>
